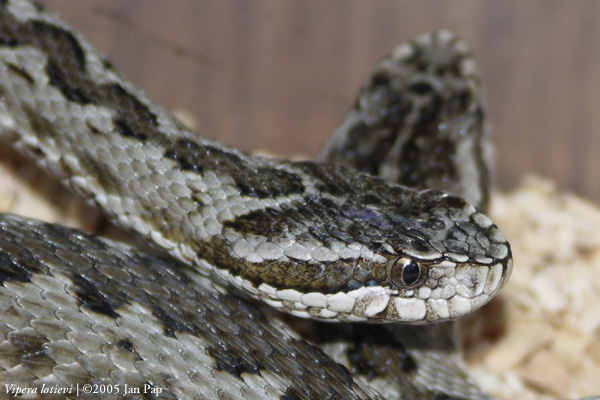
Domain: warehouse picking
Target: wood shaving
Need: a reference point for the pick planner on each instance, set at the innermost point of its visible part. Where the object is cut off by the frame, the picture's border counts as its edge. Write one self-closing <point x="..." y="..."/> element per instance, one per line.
<point x="539" y="338"/>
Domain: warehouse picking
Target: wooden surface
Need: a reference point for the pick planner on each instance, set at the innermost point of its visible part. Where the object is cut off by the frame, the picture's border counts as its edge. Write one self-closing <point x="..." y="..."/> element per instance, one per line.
<point x="279" y="75"/>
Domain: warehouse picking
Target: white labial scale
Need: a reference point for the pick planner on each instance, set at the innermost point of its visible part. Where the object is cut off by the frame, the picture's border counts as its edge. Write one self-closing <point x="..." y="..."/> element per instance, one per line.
<point x="439" y="307"/>
<point x="372" y="304"/>
<point x="357" y="293"/>
<point x="410" y="309"/>
<point x="354" y="318"/>
<point x="274" y="303"/>
<point x="509" y="267"/>
<point x="459" y="306"/>
<point x="494" y="278"/>
<point x="314" y="299"/>
<point x="300" y="313"/>
<point x="341" y="302"/>
<point x="289" y="295"/>
<point x="479" y="301"/>
<point x="267" y="290"/>
<point x="327" y="314"/>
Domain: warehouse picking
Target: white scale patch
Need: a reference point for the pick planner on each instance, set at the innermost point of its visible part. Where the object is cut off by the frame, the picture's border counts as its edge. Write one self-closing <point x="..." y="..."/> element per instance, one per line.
<point x="458" y="306"/>
<point x="80" y="186"/>
<point x="327" y="314"/>
<point x="424" y="292"/>
<point x="269" y="251"/>
<point x="341" y="302"/>
<point x="448" y="291"/>
<point x="314" y="299"/>
<point x="297" y="252"/>
<point x="242" y="248"/>
<point x="482" y="220"/>
<point x="410" y="309"/>
<point x="373" y="303"/>
<point x="267" y="289"/>
<point x="494" y="278"/>
<point x="471" y="281"/>
<point x="163" y="242"/>
<point x="323" y="254"/>
<point x="446" y="264"/>
<point x="289" y="295"/>
<point x="459" y="258"/>
<point x="499" y="251"/>
<point x="439" y="308"/>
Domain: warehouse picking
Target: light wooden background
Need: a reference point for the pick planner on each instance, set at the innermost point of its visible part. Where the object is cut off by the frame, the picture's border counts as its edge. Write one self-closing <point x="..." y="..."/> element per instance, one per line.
<point x="279" y="75"/>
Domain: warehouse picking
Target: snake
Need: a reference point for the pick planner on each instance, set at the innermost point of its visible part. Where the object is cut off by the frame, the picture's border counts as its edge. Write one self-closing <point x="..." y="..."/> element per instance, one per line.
<point x="379" y="244"/>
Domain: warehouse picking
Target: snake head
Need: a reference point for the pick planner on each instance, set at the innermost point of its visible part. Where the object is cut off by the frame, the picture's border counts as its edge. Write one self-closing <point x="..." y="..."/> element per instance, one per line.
<point x="377" y="253"/>
<point x="445" y="260"/>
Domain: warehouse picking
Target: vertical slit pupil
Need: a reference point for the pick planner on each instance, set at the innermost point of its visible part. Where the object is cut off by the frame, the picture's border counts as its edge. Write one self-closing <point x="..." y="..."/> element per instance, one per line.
<point x="410" y="273"/>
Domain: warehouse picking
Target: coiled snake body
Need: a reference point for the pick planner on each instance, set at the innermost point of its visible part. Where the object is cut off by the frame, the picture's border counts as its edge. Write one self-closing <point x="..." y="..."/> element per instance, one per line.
<point x="328" y="241"/>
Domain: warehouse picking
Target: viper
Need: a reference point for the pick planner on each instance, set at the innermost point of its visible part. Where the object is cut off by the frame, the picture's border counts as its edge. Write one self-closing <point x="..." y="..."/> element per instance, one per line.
<point x="383" y="235"/>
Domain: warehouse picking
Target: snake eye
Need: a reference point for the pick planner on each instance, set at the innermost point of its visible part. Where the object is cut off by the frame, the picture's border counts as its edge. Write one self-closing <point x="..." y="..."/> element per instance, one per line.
<point x="405" y="273"/>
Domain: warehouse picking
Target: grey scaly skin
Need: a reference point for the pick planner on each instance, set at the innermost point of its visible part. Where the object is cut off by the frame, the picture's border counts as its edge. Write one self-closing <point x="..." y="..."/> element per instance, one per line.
<point x="315" y="240"/>
<point x="77" y="310"/>
<point x="419" y="121"/>
<point x="404" y="125"/>
<point x="232" y="215"/>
